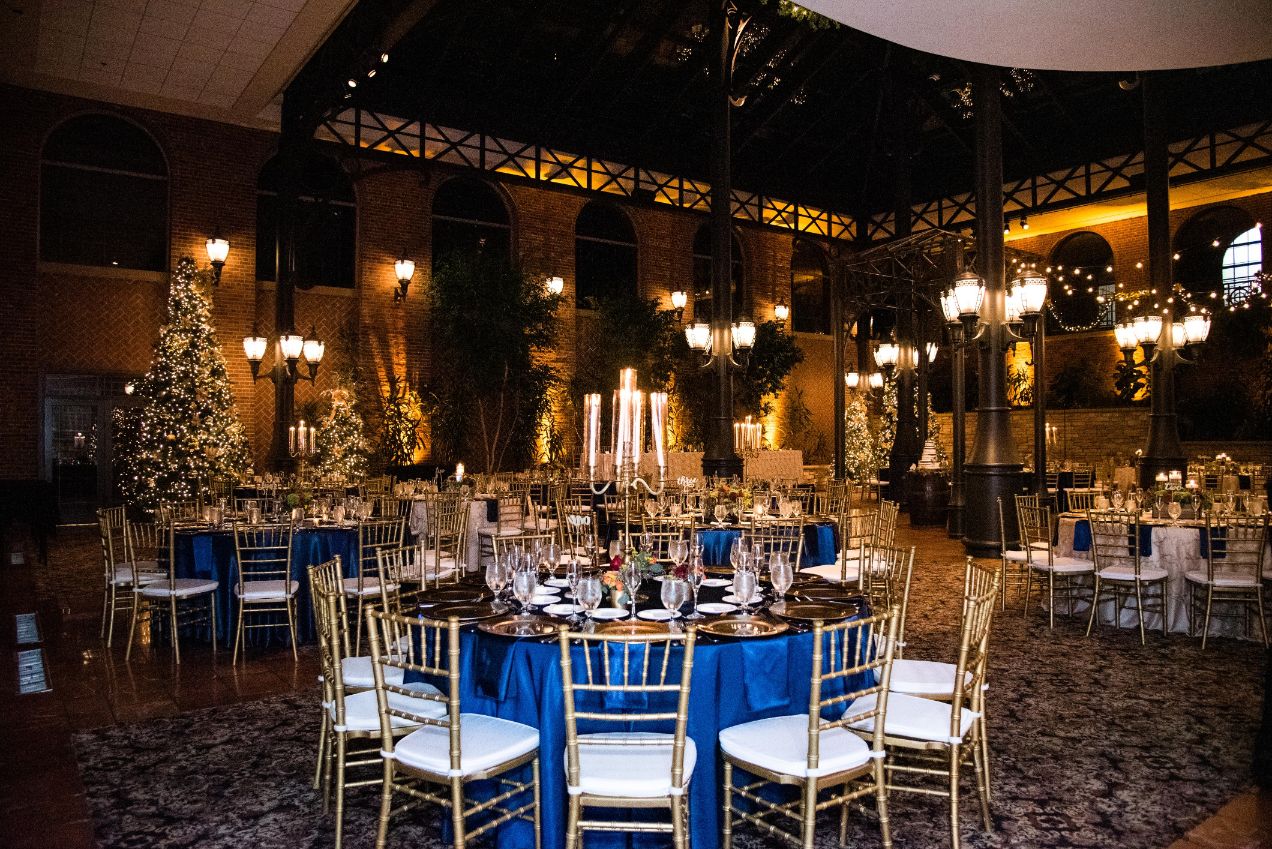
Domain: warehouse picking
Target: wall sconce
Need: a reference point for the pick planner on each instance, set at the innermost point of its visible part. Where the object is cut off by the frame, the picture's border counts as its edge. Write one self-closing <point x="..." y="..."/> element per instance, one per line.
<point x="555" y="286"/>
<point x="292" y="346"/>
<point x="404" y="269"/>
<point x="781" y="312"/>
<point x="887" y="355"/>
<point x="852" y="379"/>
<point x="218" y="249"/>
<point x="679" y="299"/>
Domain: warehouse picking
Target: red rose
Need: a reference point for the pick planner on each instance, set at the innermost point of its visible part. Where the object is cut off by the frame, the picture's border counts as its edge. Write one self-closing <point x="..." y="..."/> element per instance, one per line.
<point x="681" y="572"/>
<point x="616" y="563"/>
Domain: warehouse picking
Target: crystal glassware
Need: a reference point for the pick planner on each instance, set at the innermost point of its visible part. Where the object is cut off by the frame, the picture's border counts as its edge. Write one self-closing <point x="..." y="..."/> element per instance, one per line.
<point x="674" y="594"/>
<point x="780" y="573"/>
<point x="696" y="574"/>
<point x="631" y="576"/>
<point x="589" y="595"/>
<point x="524" y="583"/>
<point x="744" y="588"/>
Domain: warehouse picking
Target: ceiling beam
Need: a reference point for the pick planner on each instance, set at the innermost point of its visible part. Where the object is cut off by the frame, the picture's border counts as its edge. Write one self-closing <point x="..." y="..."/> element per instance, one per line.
<point x="753" y="125"/>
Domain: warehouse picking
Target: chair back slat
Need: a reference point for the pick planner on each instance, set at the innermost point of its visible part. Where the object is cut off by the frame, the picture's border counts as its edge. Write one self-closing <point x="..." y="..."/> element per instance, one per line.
<point x="1235" y="545"/>
<point x="1115" y="539"/>
<point x="421" y="647"/>
<point x="263" y="552"/>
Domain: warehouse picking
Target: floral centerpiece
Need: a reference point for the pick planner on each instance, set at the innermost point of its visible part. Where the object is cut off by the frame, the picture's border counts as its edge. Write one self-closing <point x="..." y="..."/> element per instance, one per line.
<point x="736" y="499"/>
<point x="299" y="494"/>
<point x="612" y="578"/>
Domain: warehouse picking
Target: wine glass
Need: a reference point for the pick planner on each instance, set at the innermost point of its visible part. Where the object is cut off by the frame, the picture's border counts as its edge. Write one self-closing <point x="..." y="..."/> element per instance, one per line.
<point x="524" y="583"/>
<point x="549" y="558"/>
<point x="744" y="588"/>
<point x="735" y="552"/>
<point x="720" y="512"/>
<point x="496" y="577"/>
<point x="1173" y="509"/>
<point x="1118" y="499"/>
<point x="589" y="595"/>
<point x="780" y="573"/>
<point x="696" y="574"/>
<point x="674" y="595"/>
<point x="589" y="546"/>
<point x="631" y="576"/>
<point x="615" y="548"/>
<point x="647" y="542"/>
<point x="651" y="507"/>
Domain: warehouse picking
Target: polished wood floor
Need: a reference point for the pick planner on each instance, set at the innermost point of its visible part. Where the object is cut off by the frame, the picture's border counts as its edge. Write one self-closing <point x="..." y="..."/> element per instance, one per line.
<point x="42" y="802"/>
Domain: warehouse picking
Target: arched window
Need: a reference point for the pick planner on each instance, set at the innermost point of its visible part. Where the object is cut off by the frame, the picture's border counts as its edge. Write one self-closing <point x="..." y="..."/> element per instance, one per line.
<point x="1242" y="261"/>
<point x="103" y="195"/>
<point x="1220" y="251"/>
<point x="702" y="274"/>
<point x="326" y="223"/>
<point x="1083" y="283"/>
<point x="604" y="254"/>
<point x="469" y="214"/>
<point x="810" y="289"/>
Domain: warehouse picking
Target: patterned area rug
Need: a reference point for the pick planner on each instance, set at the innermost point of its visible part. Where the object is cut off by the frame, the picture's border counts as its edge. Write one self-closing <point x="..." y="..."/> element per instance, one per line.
<point x="1097" y="742"/>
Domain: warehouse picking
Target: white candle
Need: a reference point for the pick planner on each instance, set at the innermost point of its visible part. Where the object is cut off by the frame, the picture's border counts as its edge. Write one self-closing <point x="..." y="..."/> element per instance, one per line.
<point x="291" y="438"/>
<point x="459" y="471"/>
<point x="591" y="430"/>
<point x="313" y="439"/>
<point x="638" y="427"/>
<point x="658" y="423"/>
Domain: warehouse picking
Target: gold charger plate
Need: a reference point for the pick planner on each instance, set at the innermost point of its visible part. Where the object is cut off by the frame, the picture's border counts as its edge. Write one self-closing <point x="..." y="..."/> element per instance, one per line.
<point x="534" y="626"/>
<point x="829" y="592"/>
<point x="467" y="611"/>
<point x="743" y="627"/>
<point x="721" y="571"/>
<point x="807" y="611"/>
<point x="628" y="628"/>
<point x="446" y="595"/>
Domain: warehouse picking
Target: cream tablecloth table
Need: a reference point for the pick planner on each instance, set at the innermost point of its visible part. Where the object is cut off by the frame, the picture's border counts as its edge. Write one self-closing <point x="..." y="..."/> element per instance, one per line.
<point x="1177" y="549"/>
<point x="478" y="521"/>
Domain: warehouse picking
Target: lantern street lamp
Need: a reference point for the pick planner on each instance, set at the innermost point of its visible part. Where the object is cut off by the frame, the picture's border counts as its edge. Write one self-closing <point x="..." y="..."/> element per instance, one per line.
<point x="218" y="249"/>
<point x="781" y="312"/>
<point x="291" y="347"/>
<point x="404" y="269"/>
<point x="555" y="286"/>
<point x="679" y="299"/>
<point x="741" y="336"/>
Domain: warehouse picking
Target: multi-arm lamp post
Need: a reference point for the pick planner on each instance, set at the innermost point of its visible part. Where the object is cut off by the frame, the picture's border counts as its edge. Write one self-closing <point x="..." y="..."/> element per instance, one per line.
<point x="1162" y="342"/>
<point x="961" y="305"/>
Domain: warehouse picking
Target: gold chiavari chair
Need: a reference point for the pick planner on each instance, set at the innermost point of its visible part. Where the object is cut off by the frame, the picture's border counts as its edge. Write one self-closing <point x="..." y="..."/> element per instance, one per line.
<point x="1013" y="562"/>
<point x="1081" y="500"/>
<point x="780" y="536"/>
<point x="579" y="522"/>
<point x="623" y="683"/>
<point x="177" y="511"/>
<point x="1067" y="577"/>
<point x="1120" y="575"/>
<point x="439" y="555"/>
<point x="933" y="737"/>
<point x="1083" y="477"/>
<point x="838" y="497"/>
<point x="527" y="542"/>
<point x="509" y="521"/>
<point x="887" y="583"/>
<point x="434" y="762"/>
<point x="118" y="568"/>
<point x="179" y="599"/>
<point x="392" y="565"/>
<point x="1233" y="574"/>
<point x="659" y="543"/>
<point x="373" y="534"/>
<point x="351" y="720"/>
<point x="390" y="507"/>
<point x="886" y="528"/>
<point x="829" y="763"/>
<point x="265" y="584"/>
<point x="857" y="537"/>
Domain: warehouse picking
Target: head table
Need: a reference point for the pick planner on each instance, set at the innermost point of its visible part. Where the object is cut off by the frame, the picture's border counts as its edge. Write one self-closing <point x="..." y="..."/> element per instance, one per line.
<point x="1178" y="548"/>
<point x="733" y="681"/>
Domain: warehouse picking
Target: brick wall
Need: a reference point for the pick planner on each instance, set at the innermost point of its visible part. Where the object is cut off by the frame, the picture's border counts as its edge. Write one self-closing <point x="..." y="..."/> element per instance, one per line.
<point x="77" y="320"/>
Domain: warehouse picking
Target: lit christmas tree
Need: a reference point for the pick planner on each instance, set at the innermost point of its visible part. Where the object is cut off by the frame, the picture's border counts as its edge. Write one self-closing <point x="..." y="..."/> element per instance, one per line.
<point x="888" y="423"/>
<point x="861" y="453"/>
<point x="342" y="447"/>
<point x="185" y="430"/>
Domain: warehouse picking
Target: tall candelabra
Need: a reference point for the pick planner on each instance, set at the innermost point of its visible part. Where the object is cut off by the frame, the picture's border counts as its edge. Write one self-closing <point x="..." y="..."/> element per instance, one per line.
<point x="628" y="440"/>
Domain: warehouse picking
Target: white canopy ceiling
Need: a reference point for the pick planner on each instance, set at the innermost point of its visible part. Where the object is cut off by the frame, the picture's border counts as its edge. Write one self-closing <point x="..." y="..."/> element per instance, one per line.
<point x="1069" y="35"/>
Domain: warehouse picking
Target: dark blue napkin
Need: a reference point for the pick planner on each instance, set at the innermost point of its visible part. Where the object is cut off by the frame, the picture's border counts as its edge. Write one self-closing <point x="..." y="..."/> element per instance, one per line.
<point x="765" y="661"/>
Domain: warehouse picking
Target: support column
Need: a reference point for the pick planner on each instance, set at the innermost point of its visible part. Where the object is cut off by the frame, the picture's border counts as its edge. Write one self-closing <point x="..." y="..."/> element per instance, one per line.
<point x="841" y="402"/>
<point x="719" y="458"/>
<point x="994" y="470"/>
<point x="1162" y="453"/>
<point x="291" y="146"/>
<point x="1038" y="348"/>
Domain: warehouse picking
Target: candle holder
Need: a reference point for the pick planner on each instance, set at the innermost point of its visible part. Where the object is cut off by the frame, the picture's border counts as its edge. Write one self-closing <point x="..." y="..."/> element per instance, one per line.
<point x="628" y="415"/>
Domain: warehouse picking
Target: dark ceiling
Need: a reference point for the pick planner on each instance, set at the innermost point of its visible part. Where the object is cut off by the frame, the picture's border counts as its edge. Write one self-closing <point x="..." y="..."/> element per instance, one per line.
<point x="826" y="109"/>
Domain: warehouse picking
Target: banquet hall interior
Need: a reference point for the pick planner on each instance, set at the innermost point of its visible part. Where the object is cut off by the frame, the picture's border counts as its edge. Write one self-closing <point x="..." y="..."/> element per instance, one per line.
<point x="565" y="423"/>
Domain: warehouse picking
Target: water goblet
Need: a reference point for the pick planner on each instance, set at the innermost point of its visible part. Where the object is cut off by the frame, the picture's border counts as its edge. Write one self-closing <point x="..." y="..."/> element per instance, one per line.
<point x="720" y="512"/>
<point x="1173" y="509"/>
<point x="496" y="578"/>
<point x="674" y="594"/>
<point x="631" y="576"/>
<point x="572" y="575"/>
<point x="744" y="588"/>
<point x="696" y="574"/>
<point x="524" y="583"/>
<point x="780" y="573"/>
<point x="735" y="552"/>
<point x="615" y="548"/>
<point x="589" y="596"/>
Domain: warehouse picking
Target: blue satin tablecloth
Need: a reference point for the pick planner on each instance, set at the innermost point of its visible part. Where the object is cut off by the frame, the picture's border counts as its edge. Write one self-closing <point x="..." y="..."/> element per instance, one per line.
<point x="734" y="681"/>
<point x="820" y="546"/>
<point x="210" y="554"/>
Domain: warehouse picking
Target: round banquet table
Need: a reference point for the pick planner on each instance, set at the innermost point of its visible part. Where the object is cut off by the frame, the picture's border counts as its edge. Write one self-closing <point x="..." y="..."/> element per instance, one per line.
<point x="210" y="554"/>
<point x="733" y="681"/>
<point x="1179" y="549"/>
<point x="820" y="544"/>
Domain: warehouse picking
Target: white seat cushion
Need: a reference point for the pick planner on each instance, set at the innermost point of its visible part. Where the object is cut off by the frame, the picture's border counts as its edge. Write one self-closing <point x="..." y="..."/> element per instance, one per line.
<point x="267" y="590"/>
<point x="362" y="711"/>
<point x="780" y="744"/>
<point x="370" y="586"/>
<point x="1039" y="546"/>
<point x="181" y="588"/>
<point x="124" y="575"/>
<point x="639" y="770"/>
<point x="1222" y="579"/>
<point x="1064" y="565"/>
<point x="1016" y="556"/>
<point x="485" y="742"/>
<point x="924" y="677"/>
<point x="357" y="673"/>
<point x="831" y="572"/>
<point x="913" y="717"/>
<point x="1127" y="573"/>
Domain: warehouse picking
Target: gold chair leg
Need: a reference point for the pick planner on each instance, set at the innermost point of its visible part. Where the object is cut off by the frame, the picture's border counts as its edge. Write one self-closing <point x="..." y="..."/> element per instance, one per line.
<point x="238" y="635"/>
<point x="1051" y="599"/>
<point x="212" y="600"/>
<point x="172" y="627"/>
<point x="982" y="740"/>
<point x="677" y="823"/>
<point x="1139" y="610"/>
<point x="1263" y="625"/>
<point x="881" y="803"/>
<point x="132" y="628"/>
<point x="1095" y="605"/>
<point x="457" y="812"/>
<point x="291" y="626"/>
<point x="954" y="758"/>
<point x="727" y="835"/>
<point x="538" y="820"/>
<point x="809" y="813"/>
<point x="843" y="818"/>
<point x="572" y="826"/>
<point x="1205" y="624"/>
<point x="1024" y="607"/>
<point x="341" y="751"/>
<point x="322" y="747"/>
<point x="386" y="806"/>
<point x="982" y="783"/>
<point x="108" y="615"/>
